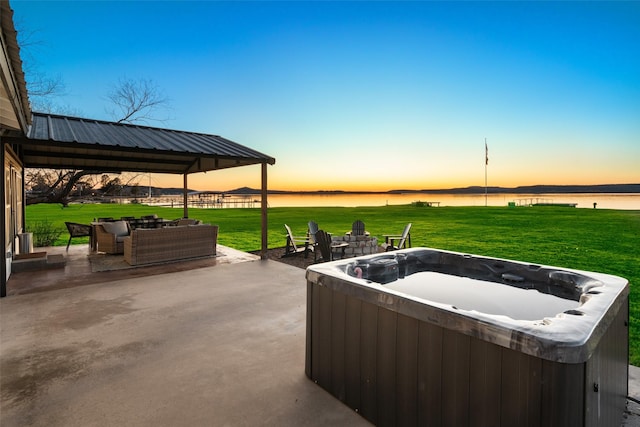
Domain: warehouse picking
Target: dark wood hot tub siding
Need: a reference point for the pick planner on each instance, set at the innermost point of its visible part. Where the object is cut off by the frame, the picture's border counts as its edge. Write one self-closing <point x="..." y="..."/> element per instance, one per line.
<point x="399" y="371"/>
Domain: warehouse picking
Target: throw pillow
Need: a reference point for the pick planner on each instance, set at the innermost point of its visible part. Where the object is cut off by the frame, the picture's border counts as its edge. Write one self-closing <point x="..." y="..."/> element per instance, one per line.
<point x="119" y="228"/>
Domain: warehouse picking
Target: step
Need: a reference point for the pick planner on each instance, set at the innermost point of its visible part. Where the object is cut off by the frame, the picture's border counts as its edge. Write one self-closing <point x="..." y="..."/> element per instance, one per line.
<point x="35" y="261"/>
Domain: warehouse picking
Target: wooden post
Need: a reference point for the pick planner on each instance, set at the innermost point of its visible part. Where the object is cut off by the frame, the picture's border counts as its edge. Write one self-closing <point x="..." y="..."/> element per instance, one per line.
<point x="263" y="205"/>
<point x="185" y="213"/>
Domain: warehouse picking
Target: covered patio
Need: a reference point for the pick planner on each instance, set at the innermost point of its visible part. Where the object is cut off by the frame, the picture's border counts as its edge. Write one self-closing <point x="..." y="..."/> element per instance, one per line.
<point x="62" y="142"/>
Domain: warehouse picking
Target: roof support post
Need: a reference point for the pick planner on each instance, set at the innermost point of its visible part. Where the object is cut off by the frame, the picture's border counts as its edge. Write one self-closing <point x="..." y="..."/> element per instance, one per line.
<point x="185" y="213"/>
<point x="263" y="206"/>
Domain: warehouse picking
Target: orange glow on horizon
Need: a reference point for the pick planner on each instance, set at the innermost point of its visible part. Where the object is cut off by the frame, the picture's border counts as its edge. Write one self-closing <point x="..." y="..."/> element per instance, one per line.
<point x="231" y="180"/>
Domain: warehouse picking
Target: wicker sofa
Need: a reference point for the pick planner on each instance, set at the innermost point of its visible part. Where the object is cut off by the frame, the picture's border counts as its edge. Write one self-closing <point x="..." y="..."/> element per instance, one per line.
<point x="156" y="245"/>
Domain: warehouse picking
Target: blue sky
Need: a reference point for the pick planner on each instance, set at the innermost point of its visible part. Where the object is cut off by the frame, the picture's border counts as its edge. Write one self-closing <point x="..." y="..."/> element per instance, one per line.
<point x="370" y="95"/>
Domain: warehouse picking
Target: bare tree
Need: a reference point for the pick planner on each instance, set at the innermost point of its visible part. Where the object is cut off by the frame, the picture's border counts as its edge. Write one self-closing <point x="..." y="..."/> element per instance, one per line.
<point x="134" y="101"/>
<point x="63" y="186"/>
<point x="42" y="87"/>
<point x="55" y="186"/>
<point x="137" y="101"/>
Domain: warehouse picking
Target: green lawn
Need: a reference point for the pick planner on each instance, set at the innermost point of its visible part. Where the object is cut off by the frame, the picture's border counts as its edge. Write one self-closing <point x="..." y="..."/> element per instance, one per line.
<point x="600" y="240"/>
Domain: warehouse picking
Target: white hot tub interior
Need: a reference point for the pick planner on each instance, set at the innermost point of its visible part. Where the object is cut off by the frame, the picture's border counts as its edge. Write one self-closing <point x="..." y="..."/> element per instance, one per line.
<point x="480" y="295"/>
<point x="490" y="286"/>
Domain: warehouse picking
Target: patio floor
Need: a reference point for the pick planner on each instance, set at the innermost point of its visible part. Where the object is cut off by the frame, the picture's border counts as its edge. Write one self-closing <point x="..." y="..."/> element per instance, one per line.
<point x="77" y="271"/>
<point x="218" y="344"/>
<point x="221" y="345"/>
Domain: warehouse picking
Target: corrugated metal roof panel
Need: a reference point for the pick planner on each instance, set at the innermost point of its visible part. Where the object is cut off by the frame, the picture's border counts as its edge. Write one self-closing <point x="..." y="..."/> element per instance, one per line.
<point x="76" y="142"/>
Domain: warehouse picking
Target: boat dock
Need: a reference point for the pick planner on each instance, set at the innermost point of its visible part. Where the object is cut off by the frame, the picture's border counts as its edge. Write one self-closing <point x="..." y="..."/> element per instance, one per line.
<point x="538" y="201"/>
<point x="199" y="199"/>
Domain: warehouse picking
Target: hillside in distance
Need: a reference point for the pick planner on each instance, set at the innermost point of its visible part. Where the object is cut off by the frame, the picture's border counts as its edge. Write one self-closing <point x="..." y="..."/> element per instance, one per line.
<point x="529" y="189"/>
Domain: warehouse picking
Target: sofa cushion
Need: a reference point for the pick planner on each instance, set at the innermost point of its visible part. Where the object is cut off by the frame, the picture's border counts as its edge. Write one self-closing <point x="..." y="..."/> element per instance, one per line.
<point x="119" y="228"/>
<point x="188" y="221"/>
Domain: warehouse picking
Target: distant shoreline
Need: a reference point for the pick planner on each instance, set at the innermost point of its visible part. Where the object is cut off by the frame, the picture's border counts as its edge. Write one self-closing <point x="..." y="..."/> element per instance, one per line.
<point x="530" y="189"/>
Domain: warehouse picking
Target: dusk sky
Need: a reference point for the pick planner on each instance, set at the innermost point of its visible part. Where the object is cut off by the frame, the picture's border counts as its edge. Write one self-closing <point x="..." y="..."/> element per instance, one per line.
<point x="369" y="95"/>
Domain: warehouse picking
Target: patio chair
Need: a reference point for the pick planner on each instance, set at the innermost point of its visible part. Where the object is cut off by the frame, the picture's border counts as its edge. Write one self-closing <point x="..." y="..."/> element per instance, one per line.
<point x="77" y="230"/>
<point x="313" y="229"/>
<point x="327" y="247"/>
<point x="110" y="236"/>
<point x="292" y="247"/>
<point x="357" y="229"/>
<point x="150" y="221"/>
<point x="404" y="239"/>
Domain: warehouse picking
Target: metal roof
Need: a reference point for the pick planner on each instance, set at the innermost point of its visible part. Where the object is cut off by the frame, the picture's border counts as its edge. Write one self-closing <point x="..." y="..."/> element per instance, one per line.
<point x="13" y="89"/>
<point x="63" y="142"/>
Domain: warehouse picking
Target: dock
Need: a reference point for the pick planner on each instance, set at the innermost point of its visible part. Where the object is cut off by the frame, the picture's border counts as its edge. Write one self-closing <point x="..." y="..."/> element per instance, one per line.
<point x="199" y="199"/>
<point x="421" y="204"/>
<point x="538" y="201"/>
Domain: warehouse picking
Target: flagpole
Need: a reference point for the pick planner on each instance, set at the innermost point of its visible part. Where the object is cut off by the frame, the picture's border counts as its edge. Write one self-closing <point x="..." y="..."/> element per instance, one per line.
<point x="486" y="162"/>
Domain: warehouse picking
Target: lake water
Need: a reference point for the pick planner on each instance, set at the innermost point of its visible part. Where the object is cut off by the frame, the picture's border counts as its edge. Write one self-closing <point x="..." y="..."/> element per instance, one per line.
<point x="583" y="200"/>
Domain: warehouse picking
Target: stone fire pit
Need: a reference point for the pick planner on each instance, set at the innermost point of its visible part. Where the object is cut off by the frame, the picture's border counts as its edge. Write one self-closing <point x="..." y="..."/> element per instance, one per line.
<point x="358" y="245"/>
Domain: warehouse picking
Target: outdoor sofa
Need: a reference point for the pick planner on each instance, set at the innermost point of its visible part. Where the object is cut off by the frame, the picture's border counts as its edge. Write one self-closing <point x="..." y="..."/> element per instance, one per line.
<point x="157" y="245"/>
<point x="110" y="234"/>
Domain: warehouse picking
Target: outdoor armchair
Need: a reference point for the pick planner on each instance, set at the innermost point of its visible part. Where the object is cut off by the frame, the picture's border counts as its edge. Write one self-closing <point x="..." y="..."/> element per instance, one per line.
<point x="404" y="239"/>
<point x="357" y="229"/>
<point x="110" y="236"/>
<point x="328" y="248"/>
<point x="77" y="230"/>
<point x="311" y="233"/>
<point x="292" y="247"/>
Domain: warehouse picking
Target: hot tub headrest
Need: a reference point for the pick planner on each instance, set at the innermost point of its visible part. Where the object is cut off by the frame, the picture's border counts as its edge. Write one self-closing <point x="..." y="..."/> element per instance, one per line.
<point x="383" y="269"/>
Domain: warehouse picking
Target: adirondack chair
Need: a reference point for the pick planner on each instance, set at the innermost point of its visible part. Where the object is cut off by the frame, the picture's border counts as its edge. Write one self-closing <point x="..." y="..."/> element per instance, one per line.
<point x="313" y="229"/>
<point x="327" y="247"/>
<point x="403" y="239"/>
<point x="292" y="247"/>
<point x="357" y="229"/>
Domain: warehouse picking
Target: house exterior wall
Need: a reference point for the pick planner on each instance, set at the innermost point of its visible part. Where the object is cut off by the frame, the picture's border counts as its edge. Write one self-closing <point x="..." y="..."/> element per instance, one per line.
<point x="13" y="205"/>
<point x="15" y="117"/>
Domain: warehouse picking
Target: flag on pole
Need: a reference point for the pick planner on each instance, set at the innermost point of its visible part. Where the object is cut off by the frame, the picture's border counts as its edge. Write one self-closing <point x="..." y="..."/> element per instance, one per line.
<point x="486" y="153"/>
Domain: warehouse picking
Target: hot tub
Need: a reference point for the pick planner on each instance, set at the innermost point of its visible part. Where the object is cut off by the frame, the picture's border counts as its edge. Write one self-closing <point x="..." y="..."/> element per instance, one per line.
<point x="430" y="337"/>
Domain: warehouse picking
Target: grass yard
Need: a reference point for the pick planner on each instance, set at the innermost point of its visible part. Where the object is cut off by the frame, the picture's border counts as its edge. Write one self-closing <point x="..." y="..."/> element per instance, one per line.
<point x="599" y="240"/>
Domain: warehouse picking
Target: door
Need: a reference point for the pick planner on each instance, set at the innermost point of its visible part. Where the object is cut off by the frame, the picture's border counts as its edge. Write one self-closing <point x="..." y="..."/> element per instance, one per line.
<point x="13" y="209"/>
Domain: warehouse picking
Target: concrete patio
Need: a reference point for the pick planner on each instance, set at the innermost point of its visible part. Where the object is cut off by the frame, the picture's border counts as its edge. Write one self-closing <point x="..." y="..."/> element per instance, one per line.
<point x="221" y="345"/>
<point x="216" y="345"/>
